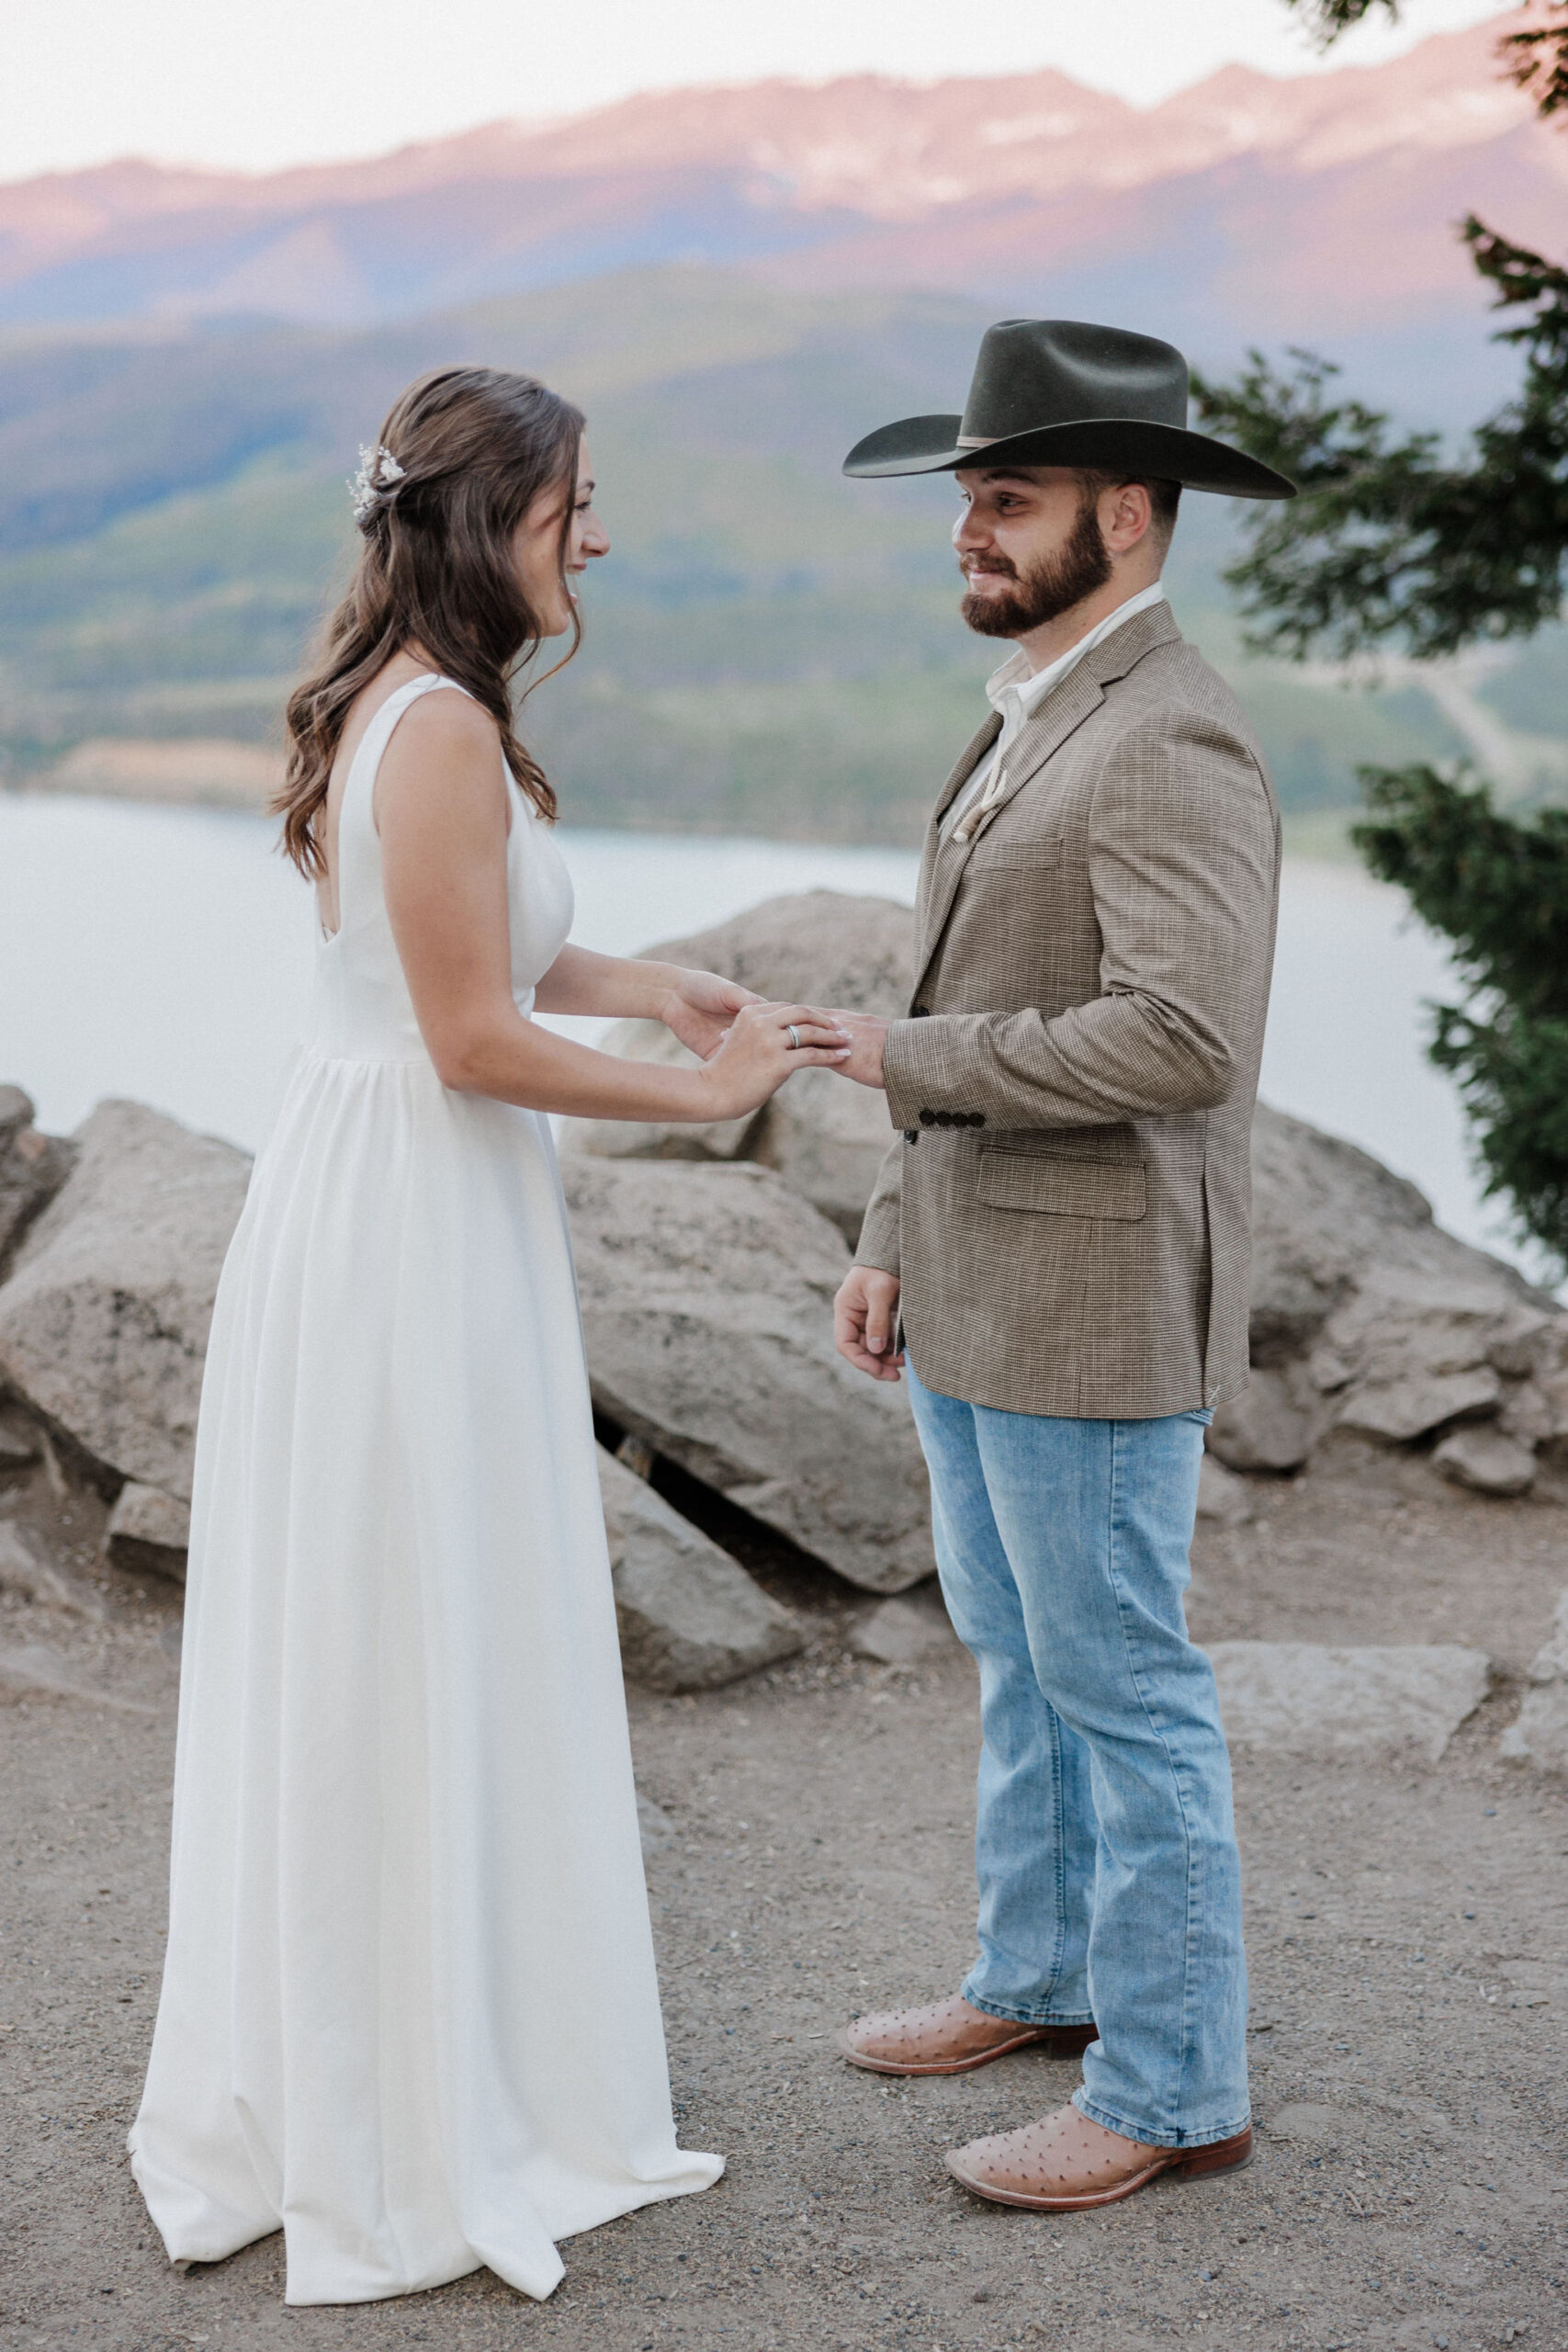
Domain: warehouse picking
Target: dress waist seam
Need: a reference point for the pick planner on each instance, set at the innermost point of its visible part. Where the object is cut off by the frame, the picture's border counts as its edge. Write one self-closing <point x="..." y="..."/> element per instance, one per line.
<point x="316" y="1053"/>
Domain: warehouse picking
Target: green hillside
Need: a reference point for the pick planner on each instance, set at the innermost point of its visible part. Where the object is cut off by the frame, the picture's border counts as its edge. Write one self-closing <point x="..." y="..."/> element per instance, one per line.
<point x="770" y="648"/>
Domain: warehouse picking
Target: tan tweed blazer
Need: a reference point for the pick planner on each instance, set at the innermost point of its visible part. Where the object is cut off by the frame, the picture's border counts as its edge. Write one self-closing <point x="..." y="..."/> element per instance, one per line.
<point x="1069" y="1202"/>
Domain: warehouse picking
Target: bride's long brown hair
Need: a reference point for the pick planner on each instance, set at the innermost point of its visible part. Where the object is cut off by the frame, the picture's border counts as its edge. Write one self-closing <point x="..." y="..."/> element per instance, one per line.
<point x="472" y="447"/>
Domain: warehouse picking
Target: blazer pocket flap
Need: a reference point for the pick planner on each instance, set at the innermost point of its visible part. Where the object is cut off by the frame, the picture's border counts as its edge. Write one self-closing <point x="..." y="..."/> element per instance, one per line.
<point x="1014" y="856"/>
<point x="1063" y="1186"/>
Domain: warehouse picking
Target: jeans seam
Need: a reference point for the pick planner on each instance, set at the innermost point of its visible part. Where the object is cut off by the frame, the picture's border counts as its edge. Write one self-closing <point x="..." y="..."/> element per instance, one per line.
<point x="1059" y="1812"/>
<point x="1184" y="2057"/>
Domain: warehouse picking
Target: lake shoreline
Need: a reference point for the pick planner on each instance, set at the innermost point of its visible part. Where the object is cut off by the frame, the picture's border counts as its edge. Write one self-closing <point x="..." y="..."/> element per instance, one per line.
<point x="166" y="954"/>
<point x="1322" y="834"/>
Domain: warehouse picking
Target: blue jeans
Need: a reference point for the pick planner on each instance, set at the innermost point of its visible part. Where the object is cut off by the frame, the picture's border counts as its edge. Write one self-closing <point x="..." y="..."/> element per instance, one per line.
<point x="1105" y="1849"/>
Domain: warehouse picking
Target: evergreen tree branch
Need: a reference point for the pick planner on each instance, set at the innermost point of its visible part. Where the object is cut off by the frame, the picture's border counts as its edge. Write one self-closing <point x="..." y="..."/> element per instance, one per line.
<point x="1387" y="540"/>
<point x="1537" y="59"/>
<point x="1498" y="892"/>
<point x="1496" y="888"/>
<point x="1327" y="19"/>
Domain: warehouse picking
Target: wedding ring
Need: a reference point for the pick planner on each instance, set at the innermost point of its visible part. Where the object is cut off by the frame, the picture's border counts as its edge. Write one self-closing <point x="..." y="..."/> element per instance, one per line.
<point x="793" y="1034"/>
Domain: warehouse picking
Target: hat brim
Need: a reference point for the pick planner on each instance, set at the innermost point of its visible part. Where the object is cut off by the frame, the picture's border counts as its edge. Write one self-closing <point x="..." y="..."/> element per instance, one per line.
<point x="928" y="445"/>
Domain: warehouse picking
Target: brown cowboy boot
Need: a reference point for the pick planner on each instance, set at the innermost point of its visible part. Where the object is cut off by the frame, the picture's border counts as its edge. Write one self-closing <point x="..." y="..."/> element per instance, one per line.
<point x="949" y="2037"/>
<point x="1065" y="2162"/>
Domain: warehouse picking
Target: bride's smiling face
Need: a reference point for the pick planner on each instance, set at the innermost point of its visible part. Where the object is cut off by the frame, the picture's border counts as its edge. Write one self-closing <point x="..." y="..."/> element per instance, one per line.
<point x="536" y="548"/>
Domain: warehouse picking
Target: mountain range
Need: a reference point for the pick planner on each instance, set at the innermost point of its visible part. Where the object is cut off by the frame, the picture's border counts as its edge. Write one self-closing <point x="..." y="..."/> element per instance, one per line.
<point x="1246" y="207"/>
<point x="736" y="284"/>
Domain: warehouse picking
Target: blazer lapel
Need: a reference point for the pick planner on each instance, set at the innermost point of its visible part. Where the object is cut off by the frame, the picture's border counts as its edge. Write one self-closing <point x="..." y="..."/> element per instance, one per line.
<point x="968" y="760"/>
<point x="1061" y="714"/>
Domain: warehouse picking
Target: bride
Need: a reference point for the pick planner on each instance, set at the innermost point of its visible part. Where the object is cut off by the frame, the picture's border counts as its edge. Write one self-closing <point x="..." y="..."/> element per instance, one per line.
<point x="409" y="2010"/>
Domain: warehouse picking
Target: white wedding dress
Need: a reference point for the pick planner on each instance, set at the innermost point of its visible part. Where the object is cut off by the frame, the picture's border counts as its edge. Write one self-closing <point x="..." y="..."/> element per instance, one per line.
<point x="409" y="2010"/>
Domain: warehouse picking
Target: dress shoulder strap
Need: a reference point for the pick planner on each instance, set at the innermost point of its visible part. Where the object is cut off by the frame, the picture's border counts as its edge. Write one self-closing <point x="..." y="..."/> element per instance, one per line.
<point x="358" y="844"/>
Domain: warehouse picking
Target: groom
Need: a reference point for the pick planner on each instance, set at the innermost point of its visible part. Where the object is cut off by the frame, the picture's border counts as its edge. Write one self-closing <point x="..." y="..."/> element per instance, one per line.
<point x="1058" y="1244"/>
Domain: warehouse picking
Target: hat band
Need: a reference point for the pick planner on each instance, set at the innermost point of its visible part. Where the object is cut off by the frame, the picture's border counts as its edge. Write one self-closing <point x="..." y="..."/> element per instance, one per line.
<point x="978" y="440"/>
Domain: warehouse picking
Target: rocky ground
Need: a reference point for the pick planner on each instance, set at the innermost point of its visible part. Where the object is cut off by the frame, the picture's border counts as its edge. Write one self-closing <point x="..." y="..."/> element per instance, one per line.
<point x="808" y="1855"/>
<point x="1383" y="1511"/>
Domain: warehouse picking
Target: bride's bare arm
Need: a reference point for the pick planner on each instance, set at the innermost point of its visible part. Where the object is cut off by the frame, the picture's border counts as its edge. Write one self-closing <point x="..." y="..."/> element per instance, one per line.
<point x="698" y="1006"/>
<point x="440" y="812"/>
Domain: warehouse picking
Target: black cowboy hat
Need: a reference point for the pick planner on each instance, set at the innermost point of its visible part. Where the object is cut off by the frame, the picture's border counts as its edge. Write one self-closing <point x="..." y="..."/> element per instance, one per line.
<point x="1056" y="392"/>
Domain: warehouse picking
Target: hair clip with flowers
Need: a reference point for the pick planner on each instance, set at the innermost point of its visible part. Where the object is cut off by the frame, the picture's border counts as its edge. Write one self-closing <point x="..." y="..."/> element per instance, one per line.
<point x="379" y="469"/>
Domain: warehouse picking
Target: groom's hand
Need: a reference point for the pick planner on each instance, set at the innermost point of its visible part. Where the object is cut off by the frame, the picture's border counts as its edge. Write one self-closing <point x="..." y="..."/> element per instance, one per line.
<point x="867" y="1033"/>
<point x="865" y="1319"/>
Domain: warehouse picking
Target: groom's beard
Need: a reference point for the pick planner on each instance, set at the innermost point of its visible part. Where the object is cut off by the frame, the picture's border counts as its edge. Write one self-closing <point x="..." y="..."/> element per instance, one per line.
<point x="1048" y="588"/>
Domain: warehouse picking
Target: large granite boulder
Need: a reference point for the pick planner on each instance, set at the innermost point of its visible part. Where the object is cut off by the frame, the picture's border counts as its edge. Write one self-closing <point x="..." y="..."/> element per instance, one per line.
<point x="1273" y="1424"/>
<point x="104" y="1320"/>
<point x="827" y="1138"/>
<point x="1323" y="1214"/>
<point x="707" y="1308"/>
<point x="649" y="1041"/>
<point x="33" y="1167"/>
<point x="812" y="947"/>
<point x="1368" y="1317"/>
<point x="690" y="1617"/>
<point x="823" y="1134"/>
<point x="1301" y="1698"/>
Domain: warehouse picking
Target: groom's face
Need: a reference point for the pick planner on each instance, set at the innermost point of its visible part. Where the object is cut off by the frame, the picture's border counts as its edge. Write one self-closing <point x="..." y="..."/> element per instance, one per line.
<point x="1030" y="546"/>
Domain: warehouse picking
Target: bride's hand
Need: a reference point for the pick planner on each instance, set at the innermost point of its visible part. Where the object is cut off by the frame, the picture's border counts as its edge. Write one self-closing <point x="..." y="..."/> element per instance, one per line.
<point x="700" y="1008"/>
<point x="757" y="1055"/>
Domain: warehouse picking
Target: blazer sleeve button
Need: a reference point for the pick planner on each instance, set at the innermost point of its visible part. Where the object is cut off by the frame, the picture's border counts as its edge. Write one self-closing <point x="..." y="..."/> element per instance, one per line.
<point x="928" y="1118"/>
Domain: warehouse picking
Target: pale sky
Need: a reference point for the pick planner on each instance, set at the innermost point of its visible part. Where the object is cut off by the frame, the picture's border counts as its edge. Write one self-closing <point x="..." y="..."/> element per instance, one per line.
<point x="251" y="87"/>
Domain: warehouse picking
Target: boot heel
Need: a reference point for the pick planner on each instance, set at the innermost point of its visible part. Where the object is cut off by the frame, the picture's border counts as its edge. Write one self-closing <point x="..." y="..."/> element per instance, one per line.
<point x="1069" y="2040"/>
<point x="1221" y="2155"/>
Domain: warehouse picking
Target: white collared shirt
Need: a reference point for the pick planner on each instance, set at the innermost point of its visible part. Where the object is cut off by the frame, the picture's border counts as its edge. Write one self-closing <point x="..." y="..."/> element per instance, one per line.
<point x="1018" y="692"/>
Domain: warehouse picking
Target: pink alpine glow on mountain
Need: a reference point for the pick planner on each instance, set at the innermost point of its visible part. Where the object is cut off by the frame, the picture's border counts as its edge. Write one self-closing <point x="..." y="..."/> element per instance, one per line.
<point x="1246" y="190"/>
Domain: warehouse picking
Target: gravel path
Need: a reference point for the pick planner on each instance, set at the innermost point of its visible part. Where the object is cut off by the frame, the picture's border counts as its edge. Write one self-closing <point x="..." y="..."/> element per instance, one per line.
<point x="809" y="1855"/>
